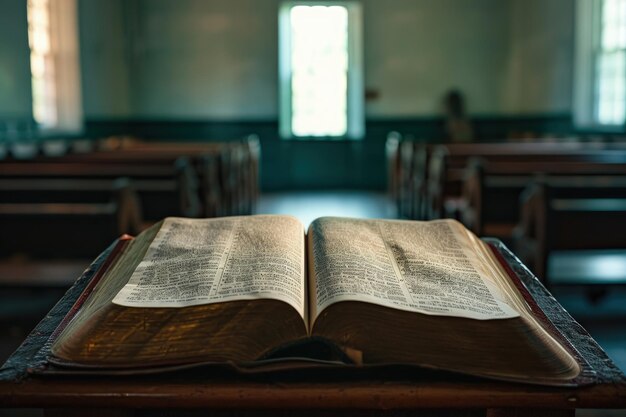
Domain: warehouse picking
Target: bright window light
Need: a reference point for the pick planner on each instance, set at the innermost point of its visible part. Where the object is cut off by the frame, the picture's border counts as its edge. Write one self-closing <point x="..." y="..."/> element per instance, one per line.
<point x="611" y="64"/>
<point x="55" y="65"/>
<point x="319" y="63"/>
<point x="321" y="75"/>
<point x="42" y="63"/>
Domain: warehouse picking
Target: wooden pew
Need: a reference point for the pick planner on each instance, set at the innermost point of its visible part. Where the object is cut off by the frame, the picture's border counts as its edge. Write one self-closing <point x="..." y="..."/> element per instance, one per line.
<point x="157" y="158"/>
<point x="414" y="183"/>
<point x="230" y="180"/>
<point x="165" y="189"/>
<point x="405" y="171"/>
<point x="254" y="148"/>
<point x="440" y="187"/>
<point x="146" y="162"/>
<point x="238" y="164"/>
<point x="238" y="169"/>
<point x="582" y="215"/>
<point x="211" y="187"/>
<point x="68" y="219"/>
<point x="406" y="174"/>
<point x="491" y="190"/>
<point x="447" y="166"/>
<point x="392" y="154"/>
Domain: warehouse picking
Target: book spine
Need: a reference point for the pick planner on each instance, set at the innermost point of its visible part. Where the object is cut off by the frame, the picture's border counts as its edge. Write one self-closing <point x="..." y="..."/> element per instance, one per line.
<point x="120" y="245"/>
<point x="545" y="322"/>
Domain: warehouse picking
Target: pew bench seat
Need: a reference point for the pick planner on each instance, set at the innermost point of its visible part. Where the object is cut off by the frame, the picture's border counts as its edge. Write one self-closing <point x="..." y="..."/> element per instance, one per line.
<point x="584" y="226"/>
<point x="587" y="267"/>
<point x="19" y="273"/>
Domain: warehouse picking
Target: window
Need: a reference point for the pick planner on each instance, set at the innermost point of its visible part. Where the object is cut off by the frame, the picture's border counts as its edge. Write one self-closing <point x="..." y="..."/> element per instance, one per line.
<point x="611" y="64"/>
<point x="321" y="81"/>
<point x="41" y="63"/>
<point x="55" y="72"/>
<point x="600" y="74"/>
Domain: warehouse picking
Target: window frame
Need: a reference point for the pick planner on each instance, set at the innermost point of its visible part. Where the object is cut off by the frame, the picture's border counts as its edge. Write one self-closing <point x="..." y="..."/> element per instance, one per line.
<point x="355" y="100"/>
<point x="588" y="50"/>
<point x="63" y="57"/>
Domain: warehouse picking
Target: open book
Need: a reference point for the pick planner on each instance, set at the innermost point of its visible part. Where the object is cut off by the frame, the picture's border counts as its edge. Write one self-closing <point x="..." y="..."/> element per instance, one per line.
<point x="245" y="289"/>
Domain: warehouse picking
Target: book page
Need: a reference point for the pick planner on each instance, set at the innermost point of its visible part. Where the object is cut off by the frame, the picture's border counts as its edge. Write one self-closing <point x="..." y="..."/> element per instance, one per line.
<point x="202" y="261"/>
<point x="425" y="267"/>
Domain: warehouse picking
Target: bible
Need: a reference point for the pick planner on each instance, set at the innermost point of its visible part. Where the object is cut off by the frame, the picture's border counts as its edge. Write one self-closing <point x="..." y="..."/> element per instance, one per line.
<point x="257" y="290"/>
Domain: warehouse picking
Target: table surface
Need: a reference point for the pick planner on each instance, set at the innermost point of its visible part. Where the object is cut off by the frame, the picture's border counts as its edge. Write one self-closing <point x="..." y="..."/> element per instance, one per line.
<point x="382" y="389"/>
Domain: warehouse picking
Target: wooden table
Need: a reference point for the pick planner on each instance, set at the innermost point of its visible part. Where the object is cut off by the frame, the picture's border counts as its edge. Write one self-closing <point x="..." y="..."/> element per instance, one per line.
<point x="219" y="391"/>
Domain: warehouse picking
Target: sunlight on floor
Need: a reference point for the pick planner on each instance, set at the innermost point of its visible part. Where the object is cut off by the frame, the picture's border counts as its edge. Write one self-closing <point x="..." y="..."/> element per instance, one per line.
<point x="307" y="206"/>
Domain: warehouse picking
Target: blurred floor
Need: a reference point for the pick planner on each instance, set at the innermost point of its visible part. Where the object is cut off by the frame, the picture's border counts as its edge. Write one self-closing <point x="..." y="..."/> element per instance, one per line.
<point x="307" y="206"/>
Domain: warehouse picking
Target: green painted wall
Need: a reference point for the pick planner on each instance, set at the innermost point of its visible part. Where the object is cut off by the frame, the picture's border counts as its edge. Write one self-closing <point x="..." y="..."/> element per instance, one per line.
<point x="105" y="57"/>
<point x="15" y="90"/>
<point x="540" y="61"/>
<point x="192" y="59"/>
<point x="416" y="50"/>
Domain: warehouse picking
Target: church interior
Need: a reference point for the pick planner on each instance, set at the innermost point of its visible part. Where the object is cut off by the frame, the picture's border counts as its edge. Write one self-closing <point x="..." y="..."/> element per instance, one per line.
<point x="506" y="115"/>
